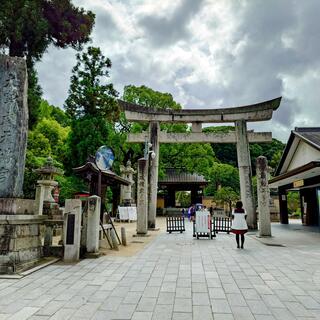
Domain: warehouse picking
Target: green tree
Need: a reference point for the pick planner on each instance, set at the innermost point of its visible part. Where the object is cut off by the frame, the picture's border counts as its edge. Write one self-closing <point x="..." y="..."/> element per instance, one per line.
<point x="68" y="186"/>
<point x="227" y="153"/>
<point x="38" y="144"/>
<point x="86" y="136"/>
<point x="28" y="27"/>
<point x="92" y="107"/>
<point x="227" y="195"/>
<point x="89" y="94"/>
<point x="293" y="199"/>
<point x="47" y="139"/>
<point x="56" y="135"/>
<point x="194" y="158"/>
<point x="51" y="112"/>
<point x="34" y="97"/>
<point x="275" y="160"/>
<point x="149" y="98"/>
<point x="222" y="175"/>
<point x="183" y="198"/>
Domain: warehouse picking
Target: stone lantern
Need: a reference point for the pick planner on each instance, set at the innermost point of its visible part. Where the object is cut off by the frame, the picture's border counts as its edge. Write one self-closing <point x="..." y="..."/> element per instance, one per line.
<point x="46" y="185"/>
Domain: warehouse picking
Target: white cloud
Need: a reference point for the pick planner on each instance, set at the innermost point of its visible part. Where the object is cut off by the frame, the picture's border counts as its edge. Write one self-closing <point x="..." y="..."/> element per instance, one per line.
<point x="208" y="53"/>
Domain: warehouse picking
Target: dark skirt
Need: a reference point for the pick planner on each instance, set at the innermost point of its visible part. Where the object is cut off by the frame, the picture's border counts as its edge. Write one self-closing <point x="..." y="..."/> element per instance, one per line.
<point x="239" y="231"/>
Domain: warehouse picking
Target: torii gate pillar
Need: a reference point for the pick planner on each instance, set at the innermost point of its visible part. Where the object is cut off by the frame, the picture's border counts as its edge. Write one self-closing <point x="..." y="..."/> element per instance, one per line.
<point x="245" y="172"/>
<point x="154" y="131"/>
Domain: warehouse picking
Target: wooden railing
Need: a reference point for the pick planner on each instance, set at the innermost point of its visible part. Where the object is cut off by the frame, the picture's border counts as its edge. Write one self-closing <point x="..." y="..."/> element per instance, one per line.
<point x="175" y="224"/>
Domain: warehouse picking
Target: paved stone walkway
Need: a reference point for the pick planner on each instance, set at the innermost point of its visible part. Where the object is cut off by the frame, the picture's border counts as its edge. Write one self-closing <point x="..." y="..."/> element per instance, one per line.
<point x="177" y="277"/>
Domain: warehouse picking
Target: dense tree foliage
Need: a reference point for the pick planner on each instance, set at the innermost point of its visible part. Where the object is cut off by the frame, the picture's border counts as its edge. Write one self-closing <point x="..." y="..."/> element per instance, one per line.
<point x="193" y="158"/>
<point x="222" y="175"/>
<point x="89" y="94"/>
<point x="34" y="97"/>
<point x="227" y="195"/>
<point x="47" y="138"/>
<point x="149" y="98"/>
<point x="293" y="198"/>
<point x="51" y="112"/>
<point x="92" y="106"/>
<point x="87" y="135"/>
<point x="227" y="153"/>
<point x="28" y="27"/>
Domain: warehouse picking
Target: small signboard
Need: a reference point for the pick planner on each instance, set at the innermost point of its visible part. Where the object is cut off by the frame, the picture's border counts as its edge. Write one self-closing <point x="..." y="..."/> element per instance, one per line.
<point x="298" y="183"/>
<point x="203" y="222"/>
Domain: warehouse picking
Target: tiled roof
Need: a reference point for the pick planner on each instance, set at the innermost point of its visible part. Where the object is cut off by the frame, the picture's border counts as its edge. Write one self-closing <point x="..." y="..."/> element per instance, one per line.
<point x="177" y="176"/>
<point x="311" y="135"/>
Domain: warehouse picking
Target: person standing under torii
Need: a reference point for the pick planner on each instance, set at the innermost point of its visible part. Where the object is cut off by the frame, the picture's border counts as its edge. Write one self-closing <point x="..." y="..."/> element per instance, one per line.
<point x="239" y="225"/>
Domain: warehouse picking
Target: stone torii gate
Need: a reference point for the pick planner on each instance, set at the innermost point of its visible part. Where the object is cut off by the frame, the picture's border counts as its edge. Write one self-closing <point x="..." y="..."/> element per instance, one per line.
<point x="239" y="115"/>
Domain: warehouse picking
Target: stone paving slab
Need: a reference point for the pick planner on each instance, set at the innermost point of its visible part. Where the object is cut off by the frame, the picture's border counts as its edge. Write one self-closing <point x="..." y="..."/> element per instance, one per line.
<point x="178" y="277"/>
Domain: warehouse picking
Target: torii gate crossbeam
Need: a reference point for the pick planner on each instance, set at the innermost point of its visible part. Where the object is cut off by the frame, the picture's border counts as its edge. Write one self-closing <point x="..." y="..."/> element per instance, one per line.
<point x="239" y="115"/>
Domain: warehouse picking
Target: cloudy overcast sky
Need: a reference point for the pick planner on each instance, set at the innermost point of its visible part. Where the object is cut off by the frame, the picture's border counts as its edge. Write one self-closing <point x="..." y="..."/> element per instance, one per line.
<point x="207" y="53"/>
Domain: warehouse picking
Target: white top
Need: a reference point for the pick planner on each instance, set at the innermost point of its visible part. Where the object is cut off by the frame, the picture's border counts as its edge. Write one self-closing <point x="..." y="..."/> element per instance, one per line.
<point x="239" y="221"/>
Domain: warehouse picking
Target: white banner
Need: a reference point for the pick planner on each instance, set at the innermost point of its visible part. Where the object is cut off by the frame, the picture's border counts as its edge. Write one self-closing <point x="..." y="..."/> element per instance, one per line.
<point x="203" y="221"/>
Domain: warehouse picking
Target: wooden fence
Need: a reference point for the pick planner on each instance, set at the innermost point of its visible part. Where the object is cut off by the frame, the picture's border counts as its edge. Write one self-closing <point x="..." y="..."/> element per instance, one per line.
<point x="221" y="224"/>
<point x="175" y="224"/>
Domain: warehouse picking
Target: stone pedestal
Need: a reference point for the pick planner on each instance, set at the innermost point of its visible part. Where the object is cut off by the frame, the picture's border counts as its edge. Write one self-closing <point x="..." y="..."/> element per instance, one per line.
<point x="93" y="224"/>
<point x="244" y="164"/>
<point x="20" y="242"/>
<point x="154" y="131"/>
<point x="13" y="125"/>
<point x="263" y="197"/>
<point x="142" y="197"/>
<point x="72" y="230"/>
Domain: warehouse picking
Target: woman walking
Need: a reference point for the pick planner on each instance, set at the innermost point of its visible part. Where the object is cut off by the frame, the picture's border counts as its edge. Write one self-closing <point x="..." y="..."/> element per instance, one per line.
<point x="239" y="225"/>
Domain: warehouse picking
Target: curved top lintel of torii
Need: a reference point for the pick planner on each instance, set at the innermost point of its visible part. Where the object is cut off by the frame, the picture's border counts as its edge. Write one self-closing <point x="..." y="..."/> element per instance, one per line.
<point x="255" y="112"/>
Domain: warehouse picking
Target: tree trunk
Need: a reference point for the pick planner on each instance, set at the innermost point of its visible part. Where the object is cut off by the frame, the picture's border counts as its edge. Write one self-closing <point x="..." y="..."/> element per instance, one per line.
<point x="16" y="49"/>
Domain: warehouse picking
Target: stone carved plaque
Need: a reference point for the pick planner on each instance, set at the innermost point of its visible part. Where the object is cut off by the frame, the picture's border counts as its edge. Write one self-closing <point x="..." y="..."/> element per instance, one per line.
<point x="13" y="125"/>
<point x="70" y="228"/>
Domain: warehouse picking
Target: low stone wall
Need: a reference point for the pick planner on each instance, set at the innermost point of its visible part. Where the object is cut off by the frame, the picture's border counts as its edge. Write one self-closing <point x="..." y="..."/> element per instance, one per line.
<point x="20" y="242"/>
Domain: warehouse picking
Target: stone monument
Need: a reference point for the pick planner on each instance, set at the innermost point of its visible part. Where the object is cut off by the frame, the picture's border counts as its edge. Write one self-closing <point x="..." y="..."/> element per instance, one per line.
<point x="263" y="197"/>
<point x="142" y="197"/>
<point x="20" y="241"/>
<point x="72" y="230"/>
<point x="13" y="125"/>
